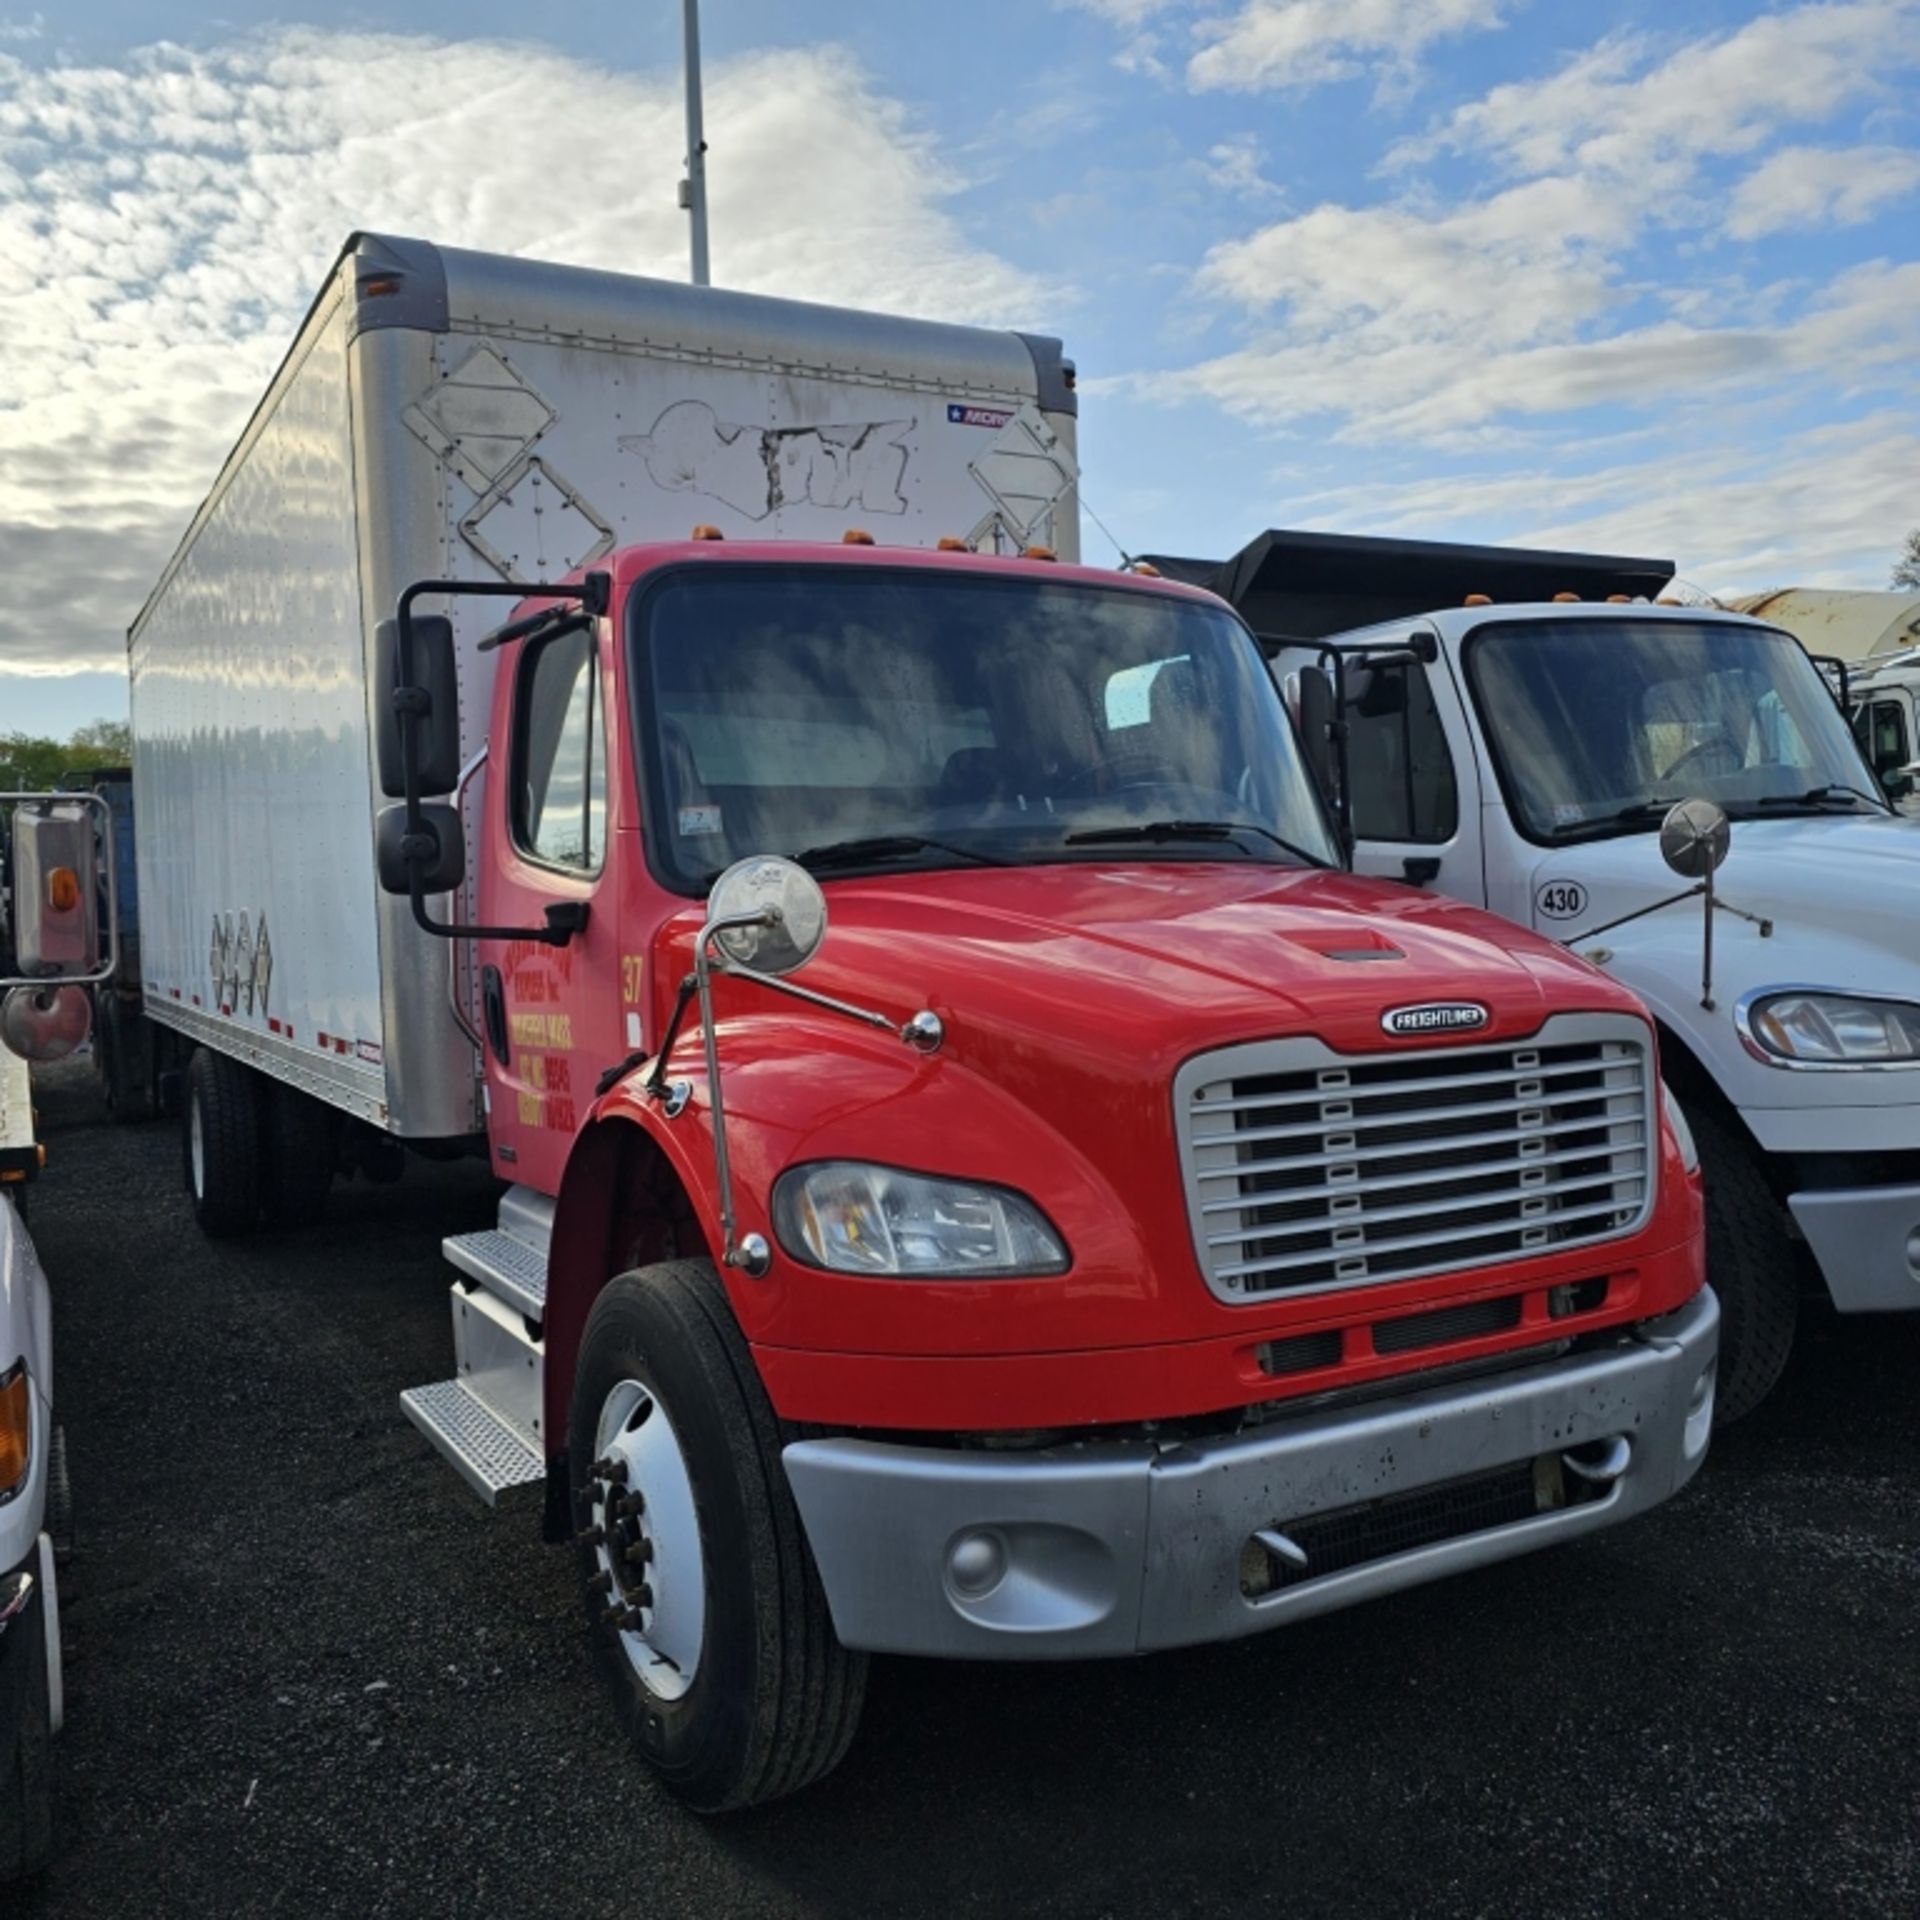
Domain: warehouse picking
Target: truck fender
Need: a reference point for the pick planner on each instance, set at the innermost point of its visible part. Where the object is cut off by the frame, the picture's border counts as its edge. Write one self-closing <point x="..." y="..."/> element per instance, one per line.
<point x="630" y="1195"/>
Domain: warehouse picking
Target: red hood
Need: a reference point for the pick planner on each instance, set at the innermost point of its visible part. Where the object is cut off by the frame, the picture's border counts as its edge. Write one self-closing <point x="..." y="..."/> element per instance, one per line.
<point x="1183" y="955"/>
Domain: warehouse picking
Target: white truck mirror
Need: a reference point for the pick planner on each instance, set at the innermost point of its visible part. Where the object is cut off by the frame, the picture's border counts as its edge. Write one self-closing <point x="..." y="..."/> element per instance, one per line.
<point x="1695" y="838"/>
<point x="43" y="1024"/>
<point x="56" y="892"/>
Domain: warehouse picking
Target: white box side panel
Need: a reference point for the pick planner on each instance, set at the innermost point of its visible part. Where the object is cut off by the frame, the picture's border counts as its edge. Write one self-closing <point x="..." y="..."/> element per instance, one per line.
<point x="251" y="785"/>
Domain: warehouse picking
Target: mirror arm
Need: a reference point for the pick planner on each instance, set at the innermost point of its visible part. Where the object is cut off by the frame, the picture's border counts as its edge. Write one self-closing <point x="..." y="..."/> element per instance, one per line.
<point x="1714" y="904"/>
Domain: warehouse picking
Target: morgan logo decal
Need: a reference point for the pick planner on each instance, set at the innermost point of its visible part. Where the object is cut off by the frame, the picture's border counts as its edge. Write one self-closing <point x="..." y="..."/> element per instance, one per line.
<point x="1440" y="1016"/>
<point x="995" y="417"/>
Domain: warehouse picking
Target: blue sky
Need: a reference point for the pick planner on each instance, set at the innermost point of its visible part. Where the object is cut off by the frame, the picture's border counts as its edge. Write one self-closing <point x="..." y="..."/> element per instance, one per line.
<point x="1642" y="278"/>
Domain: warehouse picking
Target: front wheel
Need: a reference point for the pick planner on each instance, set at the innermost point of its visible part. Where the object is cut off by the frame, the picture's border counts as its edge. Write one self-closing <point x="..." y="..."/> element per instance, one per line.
<point x="1751" y="1264"/>
<point x="26" y="1778"/>
<point x="710" y="1629"/>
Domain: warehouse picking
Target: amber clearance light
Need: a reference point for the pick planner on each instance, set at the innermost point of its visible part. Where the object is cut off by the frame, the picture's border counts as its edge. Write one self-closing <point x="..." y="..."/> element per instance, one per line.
<point x="16" y="1428"/>
<point x="63" y="889"/>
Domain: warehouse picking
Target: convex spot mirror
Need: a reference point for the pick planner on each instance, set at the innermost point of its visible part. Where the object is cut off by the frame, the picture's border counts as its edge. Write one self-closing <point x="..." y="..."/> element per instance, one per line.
<point x="439" y="847"/>
<point x="1694" y="838"/>
<point x="437" y="730"/>
<point x="44" y="1024"/>
<point x="787" y="895"/>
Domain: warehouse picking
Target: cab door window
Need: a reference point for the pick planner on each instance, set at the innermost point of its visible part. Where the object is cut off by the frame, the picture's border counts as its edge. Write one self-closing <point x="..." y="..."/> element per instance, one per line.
<point x="1398" y="763"/>
<point x="559" y="755"/>
<point x="1881" y="727"/>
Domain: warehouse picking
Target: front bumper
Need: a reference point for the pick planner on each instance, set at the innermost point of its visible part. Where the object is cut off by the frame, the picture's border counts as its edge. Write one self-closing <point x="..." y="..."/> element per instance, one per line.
<point x="1867" y="1242"/>
<point x="1125" y="1546"/>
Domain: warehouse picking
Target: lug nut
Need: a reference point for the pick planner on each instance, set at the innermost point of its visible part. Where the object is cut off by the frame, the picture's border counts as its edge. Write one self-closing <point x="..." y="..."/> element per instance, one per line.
<point x="640" y="1553"/>
<point x="631" y="1507"/>
<point x="601" y="1582"/>
<point x="590" y="1536"/>
<point x="642" y="1597"/>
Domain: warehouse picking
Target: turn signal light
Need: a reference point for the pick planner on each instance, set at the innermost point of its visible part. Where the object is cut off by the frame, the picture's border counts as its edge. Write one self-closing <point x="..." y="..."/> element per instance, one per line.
<point x="856" y="537"/>
<point x="705" y="532"/>
<point x="63" y="889"/>
<point x="16" y="1428"/>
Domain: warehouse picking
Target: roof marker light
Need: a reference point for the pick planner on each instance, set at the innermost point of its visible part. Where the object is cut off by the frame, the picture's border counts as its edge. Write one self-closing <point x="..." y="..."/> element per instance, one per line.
<point x="1146" y="570"/>
<point x="1478" y="600"/>
<point x="1619" y="599"/>
<point x="948" y="544"/>
<point x="856" y="537"/>
<point x="1039" y="553"/>
<point x="705" y="532"/>
<point x="1561" y="599"/>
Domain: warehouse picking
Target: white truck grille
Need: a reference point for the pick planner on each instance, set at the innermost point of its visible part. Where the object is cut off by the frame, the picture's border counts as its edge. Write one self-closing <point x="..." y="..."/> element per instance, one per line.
<point x="1308" y="1170"/>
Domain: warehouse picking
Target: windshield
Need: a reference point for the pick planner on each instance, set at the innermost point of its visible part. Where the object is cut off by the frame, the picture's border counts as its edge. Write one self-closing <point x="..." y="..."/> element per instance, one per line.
<point x="810" y="711"/>
<point x="1600" y="725"/>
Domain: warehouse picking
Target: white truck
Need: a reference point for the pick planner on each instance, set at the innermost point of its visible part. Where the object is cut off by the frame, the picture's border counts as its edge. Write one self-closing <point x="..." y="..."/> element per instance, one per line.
<point x="32" y="1487"/>
<point x="1514" y="740"/>
<point x="1884" y="695"/>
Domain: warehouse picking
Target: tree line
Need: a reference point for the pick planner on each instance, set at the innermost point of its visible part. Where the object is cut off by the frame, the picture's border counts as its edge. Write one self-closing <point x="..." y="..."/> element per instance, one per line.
<point x="30" y="763"/>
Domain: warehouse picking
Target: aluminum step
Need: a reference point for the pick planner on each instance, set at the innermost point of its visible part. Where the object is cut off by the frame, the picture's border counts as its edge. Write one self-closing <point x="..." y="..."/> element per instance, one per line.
<point x="490" y="1454"/>
<point x="505" y="1266"/>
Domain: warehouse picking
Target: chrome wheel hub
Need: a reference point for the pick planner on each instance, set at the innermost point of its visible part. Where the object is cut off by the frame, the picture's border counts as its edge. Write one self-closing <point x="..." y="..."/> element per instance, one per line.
<point x="645" y="1532"/>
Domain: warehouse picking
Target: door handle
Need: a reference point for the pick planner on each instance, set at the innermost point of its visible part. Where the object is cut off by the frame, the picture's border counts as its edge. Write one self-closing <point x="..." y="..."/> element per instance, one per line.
<point x="493" y="1006"/>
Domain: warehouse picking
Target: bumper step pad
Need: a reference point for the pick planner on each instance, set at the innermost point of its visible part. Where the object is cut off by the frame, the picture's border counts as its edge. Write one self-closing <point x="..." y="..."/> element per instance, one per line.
<point x="490" y="1454"/>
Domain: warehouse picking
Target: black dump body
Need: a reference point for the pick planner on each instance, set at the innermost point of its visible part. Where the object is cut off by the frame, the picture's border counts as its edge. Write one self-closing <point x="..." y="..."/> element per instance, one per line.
<point x="1303" y="586"/>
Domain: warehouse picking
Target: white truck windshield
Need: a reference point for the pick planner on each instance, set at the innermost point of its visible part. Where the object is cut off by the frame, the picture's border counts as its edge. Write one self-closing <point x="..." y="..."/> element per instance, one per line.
<point x="870" y="717"/>
<point x="1600" y="725"/>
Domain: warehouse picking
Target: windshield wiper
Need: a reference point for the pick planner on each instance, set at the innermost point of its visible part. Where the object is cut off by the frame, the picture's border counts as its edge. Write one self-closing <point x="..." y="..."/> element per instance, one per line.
<point x="886" y="846"/>
<point x="1164" y="830"/>
<point x="1831" y="794"/>
<point x="1624" y="817"/>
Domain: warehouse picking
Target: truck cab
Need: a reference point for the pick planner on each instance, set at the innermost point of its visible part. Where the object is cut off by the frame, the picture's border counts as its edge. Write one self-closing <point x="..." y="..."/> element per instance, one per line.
<point x="1136" y="1230"/>
<point x="1885" y="700"/>
<point x="1523" y="753"/>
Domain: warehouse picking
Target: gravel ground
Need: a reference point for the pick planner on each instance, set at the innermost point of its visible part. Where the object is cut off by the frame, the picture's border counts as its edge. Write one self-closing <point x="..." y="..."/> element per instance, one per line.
<point x="311" y="1675"/>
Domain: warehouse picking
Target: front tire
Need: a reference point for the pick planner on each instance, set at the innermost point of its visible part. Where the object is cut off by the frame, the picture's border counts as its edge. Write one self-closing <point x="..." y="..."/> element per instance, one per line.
<point x="710" y="1628"/>
<point x="26" y="1778"/>
<point x="220" y="1143"/>
<point x="1751" y="1264"/>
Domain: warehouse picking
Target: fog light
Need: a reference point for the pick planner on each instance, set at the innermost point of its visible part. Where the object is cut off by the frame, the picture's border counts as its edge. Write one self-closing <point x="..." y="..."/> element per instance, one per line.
<point x="976" y="1564"/>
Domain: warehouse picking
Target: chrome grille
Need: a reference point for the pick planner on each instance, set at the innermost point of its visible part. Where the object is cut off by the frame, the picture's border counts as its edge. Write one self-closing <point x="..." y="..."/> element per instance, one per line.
<point x="1308" y="1170"/>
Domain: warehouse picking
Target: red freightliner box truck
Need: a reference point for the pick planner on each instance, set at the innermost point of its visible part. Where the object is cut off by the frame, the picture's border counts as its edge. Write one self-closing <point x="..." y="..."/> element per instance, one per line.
<point x="981" y="1179"/>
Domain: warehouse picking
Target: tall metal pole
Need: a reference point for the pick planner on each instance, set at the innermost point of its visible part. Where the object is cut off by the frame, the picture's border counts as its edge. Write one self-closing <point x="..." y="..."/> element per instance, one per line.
<point x="693" y="191"/>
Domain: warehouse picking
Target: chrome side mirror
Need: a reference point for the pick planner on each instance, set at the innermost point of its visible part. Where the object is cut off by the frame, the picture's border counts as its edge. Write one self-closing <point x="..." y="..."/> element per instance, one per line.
<point x="1694" y="839"/>
<point x="767" y="914"/>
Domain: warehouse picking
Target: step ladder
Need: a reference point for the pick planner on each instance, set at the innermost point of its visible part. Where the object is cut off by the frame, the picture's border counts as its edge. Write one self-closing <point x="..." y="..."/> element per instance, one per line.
<point x="488" y="1421"/>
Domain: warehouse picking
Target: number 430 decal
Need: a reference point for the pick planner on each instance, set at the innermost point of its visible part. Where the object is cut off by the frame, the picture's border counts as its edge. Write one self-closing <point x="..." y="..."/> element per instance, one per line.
<point x="1560" y="900"/>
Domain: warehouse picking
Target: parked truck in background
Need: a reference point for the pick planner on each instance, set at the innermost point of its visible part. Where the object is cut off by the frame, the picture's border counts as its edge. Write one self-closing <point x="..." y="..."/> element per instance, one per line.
<point x="1515" y="741"/>
<point x="982" y="1180"/>
<point x="1884" y="695"/>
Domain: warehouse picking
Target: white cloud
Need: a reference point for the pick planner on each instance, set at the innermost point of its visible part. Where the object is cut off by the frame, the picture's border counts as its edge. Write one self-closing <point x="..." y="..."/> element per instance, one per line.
<point x="1290" y="45"/>
<point x="1804" y="187"/>
<point x="1635" y="112"/>
<point x="1234" y="165"/>
<point x="1294" y="44"/>
<point x="163" y="223"/>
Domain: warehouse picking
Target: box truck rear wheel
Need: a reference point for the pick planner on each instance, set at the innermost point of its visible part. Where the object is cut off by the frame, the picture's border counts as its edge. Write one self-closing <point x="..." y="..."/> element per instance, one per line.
<point x="1751" y="1264"/>
<point x="220" y="1132"/>
<point x="710" y="1629"/>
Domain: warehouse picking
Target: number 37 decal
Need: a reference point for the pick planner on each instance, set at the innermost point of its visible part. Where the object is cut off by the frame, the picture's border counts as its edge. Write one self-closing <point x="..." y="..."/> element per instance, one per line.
<point x="1559" y="900"/>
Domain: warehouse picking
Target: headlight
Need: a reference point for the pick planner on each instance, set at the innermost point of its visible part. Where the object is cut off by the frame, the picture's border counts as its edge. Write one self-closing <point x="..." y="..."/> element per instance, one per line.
<point x="855" y="1218"/>
<point x="1682" y="1133"/>
<point x="16" y="1429"/>
<point x="1835" y="1029"/>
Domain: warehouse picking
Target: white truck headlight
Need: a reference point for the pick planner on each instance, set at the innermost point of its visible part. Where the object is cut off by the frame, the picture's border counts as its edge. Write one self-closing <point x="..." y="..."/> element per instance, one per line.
<point x="1836" y="1029"/>
<point x="1682" y="1133"/>
<point x="855" y="1218"/>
